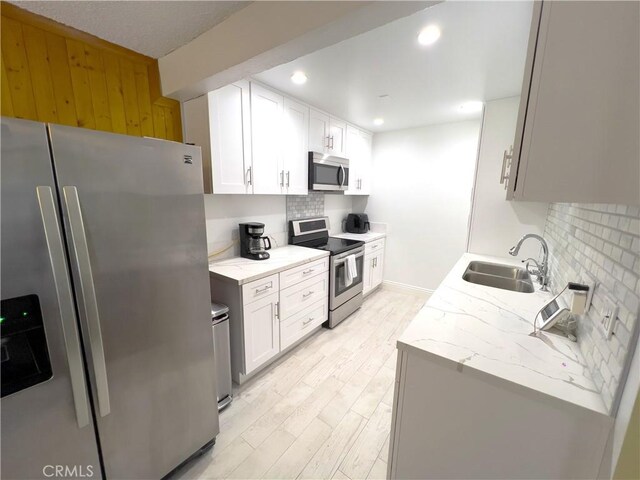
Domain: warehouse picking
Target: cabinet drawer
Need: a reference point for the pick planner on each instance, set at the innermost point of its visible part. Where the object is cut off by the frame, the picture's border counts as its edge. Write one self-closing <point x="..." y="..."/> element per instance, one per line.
<point x="298" y="274"/>
<point x="296" y="327"/>
<point x="298" y="297"/>
<point x="374" y="247"/>
<point x="260" y="288"/>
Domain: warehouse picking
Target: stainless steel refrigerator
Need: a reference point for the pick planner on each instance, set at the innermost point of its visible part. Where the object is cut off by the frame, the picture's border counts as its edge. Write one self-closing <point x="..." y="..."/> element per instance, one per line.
<point x="107" y="355"/>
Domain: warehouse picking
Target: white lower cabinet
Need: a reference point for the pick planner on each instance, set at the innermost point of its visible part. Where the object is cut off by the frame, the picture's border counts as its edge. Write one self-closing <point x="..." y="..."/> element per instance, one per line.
<point x="270" y="314"/>
<point x="298" y="325"/>
<point x="373" y="265"/>
<point x="261" y="331"/>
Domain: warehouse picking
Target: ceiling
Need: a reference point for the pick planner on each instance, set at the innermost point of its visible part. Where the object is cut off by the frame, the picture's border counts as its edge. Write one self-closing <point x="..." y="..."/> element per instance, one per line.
<point x="479" y="56"/>
<point x="153" y="28"/>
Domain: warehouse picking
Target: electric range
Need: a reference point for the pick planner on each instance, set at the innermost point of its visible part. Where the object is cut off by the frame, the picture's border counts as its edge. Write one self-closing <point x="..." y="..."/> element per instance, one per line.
<point x="345" y="296"/>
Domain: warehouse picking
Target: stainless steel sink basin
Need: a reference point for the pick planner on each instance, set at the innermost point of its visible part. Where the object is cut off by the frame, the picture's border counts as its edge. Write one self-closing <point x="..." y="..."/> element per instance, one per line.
<point x="506" y="271"/>
<point x="505" y="277"/>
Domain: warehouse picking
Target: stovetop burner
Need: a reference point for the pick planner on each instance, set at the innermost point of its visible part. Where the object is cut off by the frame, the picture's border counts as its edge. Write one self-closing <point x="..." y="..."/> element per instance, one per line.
<point x="314" y="233"/>
<point x="333" y="245"/>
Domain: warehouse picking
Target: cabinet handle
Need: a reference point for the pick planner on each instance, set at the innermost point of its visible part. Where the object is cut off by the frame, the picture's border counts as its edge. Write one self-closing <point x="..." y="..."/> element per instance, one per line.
<point x="307" y="272"/>
<point x="282" y="178"/>
<point x="306" y="295"/>
<point x="249" y="176"/>
<point x="331" y="142"/>
<point x="359" y="184"/>
<point x="261" y="290"/>
<point x="328" y="145"/>
<point x="278" y="310"/>
<point x="307" y="322"/>
<point x="507" y="156"/>
<point x="288" y="178"/>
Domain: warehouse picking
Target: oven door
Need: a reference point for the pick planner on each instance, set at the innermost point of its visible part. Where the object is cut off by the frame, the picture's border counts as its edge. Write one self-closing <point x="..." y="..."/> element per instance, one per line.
<point x="340" y="292"/>
<point x="327" y="173"/>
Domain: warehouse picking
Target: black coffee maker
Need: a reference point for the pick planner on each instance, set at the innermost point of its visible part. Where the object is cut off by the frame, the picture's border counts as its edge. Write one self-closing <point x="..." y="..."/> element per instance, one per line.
<point x="252" y="244"/>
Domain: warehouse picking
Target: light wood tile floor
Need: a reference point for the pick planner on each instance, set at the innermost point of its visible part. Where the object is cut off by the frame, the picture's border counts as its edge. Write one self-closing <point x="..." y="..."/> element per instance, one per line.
<point x="323" y="410"/>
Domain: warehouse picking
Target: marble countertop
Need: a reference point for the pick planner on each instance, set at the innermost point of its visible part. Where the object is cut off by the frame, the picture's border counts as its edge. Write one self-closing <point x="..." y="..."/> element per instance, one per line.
<point x="485" y="331"/>
<point x="244" y="270"/>
<point x="364" y="237"/>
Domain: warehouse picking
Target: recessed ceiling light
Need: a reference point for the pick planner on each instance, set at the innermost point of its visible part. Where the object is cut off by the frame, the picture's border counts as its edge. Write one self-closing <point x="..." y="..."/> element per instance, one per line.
<point x="378" y="121"/>
<point x="471" y="107"/>
<point x="299" y="78"/>
<point x="429" y="35"/>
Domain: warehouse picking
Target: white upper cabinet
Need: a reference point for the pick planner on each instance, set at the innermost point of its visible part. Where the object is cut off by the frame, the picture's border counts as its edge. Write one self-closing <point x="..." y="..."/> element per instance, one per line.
<point x="577" y="136"/>
<point x="337" y="137"/>
<point x="257" y="141"/>
<point x="327" y="134"/>
<point x="220" y="122"/>
<point x="358" y="151"/>
<point x="365" y="168"/>
<point x="295" y="166"/>
<point x="318" y="131"/>
<point x="353" y="149"/>
<point x="267" y="109"/>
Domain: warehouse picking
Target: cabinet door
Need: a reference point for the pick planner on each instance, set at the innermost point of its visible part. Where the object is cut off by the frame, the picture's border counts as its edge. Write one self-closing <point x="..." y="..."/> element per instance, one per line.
<point x="318" y="131"/>
<point x="365" y="163"/>
<point x="367" y="274"/>
<point x="266" y="135"/>
<point x="337" y="136"/>
<point x="378" y="269"/>
<point x="261" y="332"/>
<point x="294" y="172"/>
<point x="352" y="151"/>
<point x="229" y="116"/>
<point x="577" y="138"/>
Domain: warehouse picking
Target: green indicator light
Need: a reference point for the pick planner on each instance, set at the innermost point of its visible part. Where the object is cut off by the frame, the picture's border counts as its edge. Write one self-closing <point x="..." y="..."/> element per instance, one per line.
<point x="1" y="319"/>
<point x="24" y="314"/>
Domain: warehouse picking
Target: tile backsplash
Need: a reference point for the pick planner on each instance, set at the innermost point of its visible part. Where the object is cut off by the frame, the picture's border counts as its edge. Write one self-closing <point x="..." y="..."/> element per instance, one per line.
<point x="603" y="240"/>
<point x="303" y="206"/>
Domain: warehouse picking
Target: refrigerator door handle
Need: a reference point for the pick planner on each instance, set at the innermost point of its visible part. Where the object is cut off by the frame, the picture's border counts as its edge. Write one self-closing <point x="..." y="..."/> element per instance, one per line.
<point x="65" y="303"/>
<point x="81" y="251"/>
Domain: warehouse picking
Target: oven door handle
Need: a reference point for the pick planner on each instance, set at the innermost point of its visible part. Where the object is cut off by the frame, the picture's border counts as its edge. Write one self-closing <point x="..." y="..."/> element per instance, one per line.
<point x="340" y="262"/>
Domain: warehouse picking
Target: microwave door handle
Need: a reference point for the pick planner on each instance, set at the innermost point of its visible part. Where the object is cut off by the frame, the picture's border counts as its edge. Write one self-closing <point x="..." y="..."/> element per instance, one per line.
<point x="83" y="261"/>
<point x="343" y="177"/>
<point x="65" y="303"/>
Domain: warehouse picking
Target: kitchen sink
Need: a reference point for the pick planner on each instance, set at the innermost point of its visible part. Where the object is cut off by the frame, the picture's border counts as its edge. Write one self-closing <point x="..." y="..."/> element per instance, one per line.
<point x="505" y="271"/>
<point x="505" y="277"/>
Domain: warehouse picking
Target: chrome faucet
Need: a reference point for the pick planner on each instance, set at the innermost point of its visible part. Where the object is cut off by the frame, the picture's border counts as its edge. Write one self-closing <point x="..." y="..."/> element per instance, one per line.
<point x="542" y="269"/>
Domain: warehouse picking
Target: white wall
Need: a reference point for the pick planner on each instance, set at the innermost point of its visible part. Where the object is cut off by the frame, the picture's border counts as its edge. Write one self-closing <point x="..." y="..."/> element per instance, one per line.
<point x="336" y="207"/>
<point x="422" y="181"/>
<point x="224" y="212"/>
<point x="496" y="224"/>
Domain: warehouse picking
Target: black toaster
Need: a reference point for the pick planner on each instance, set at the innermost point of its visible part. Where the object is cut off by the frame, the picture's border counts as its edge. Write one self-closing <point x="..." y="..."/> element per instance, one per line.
<point x="357" y="223"/>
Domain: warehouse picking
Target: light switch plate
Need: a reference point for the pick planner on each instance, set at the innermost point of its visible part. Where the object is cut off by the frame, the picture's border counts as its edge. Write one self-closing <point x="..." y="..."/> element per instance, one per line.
<point x="608" y="316"/>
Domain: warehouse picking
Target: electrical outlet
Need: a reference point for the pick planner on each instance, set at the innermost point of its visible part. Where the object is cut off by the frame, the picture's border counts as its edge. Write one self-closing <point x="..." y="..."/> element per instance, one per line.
<point x="589" y="280"/>
<point x="608" y="316"/>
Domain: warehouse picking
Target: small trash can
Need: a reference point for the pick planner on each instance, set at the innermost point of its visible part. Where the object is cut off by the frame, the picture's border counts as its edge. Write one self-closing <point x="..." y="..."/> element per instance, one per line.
<point x="222" y="353"/>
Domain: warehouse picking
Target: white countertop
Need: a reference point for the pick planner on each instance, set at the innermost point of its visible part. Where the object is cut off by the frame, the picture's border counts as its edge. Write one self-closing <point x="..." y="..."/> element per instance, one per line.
<point x="485" y="330"/>
<point x="244" y="270"/>
<point x="364" y="237"/>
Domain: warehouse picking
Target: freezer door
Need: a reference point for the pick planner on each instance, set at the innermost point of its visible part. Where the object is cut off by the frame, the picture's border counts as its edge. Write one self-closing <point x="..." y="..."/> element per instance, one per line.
<point x="46" y="414"/>
<point x="134" y="216"/>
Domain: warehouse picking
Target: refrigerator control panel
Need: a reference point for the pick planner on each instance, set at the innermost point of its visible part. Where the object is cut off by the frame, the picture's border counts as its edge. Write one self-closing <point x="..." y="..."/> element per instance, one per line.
<point x="23" y="349"/>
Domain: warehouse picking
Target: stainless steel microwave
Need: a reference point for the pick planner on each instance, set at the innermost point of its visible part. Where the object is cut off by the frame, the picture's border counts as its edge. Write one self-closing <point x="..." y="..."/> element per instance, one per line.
<point x="328" y="173"/>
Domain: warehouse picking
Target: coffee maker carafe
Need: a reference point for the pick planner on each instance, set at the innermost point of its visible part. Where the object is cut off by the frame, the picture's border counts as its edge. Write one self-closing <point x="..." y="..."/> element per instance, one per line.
<point x="252" y="244"/>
